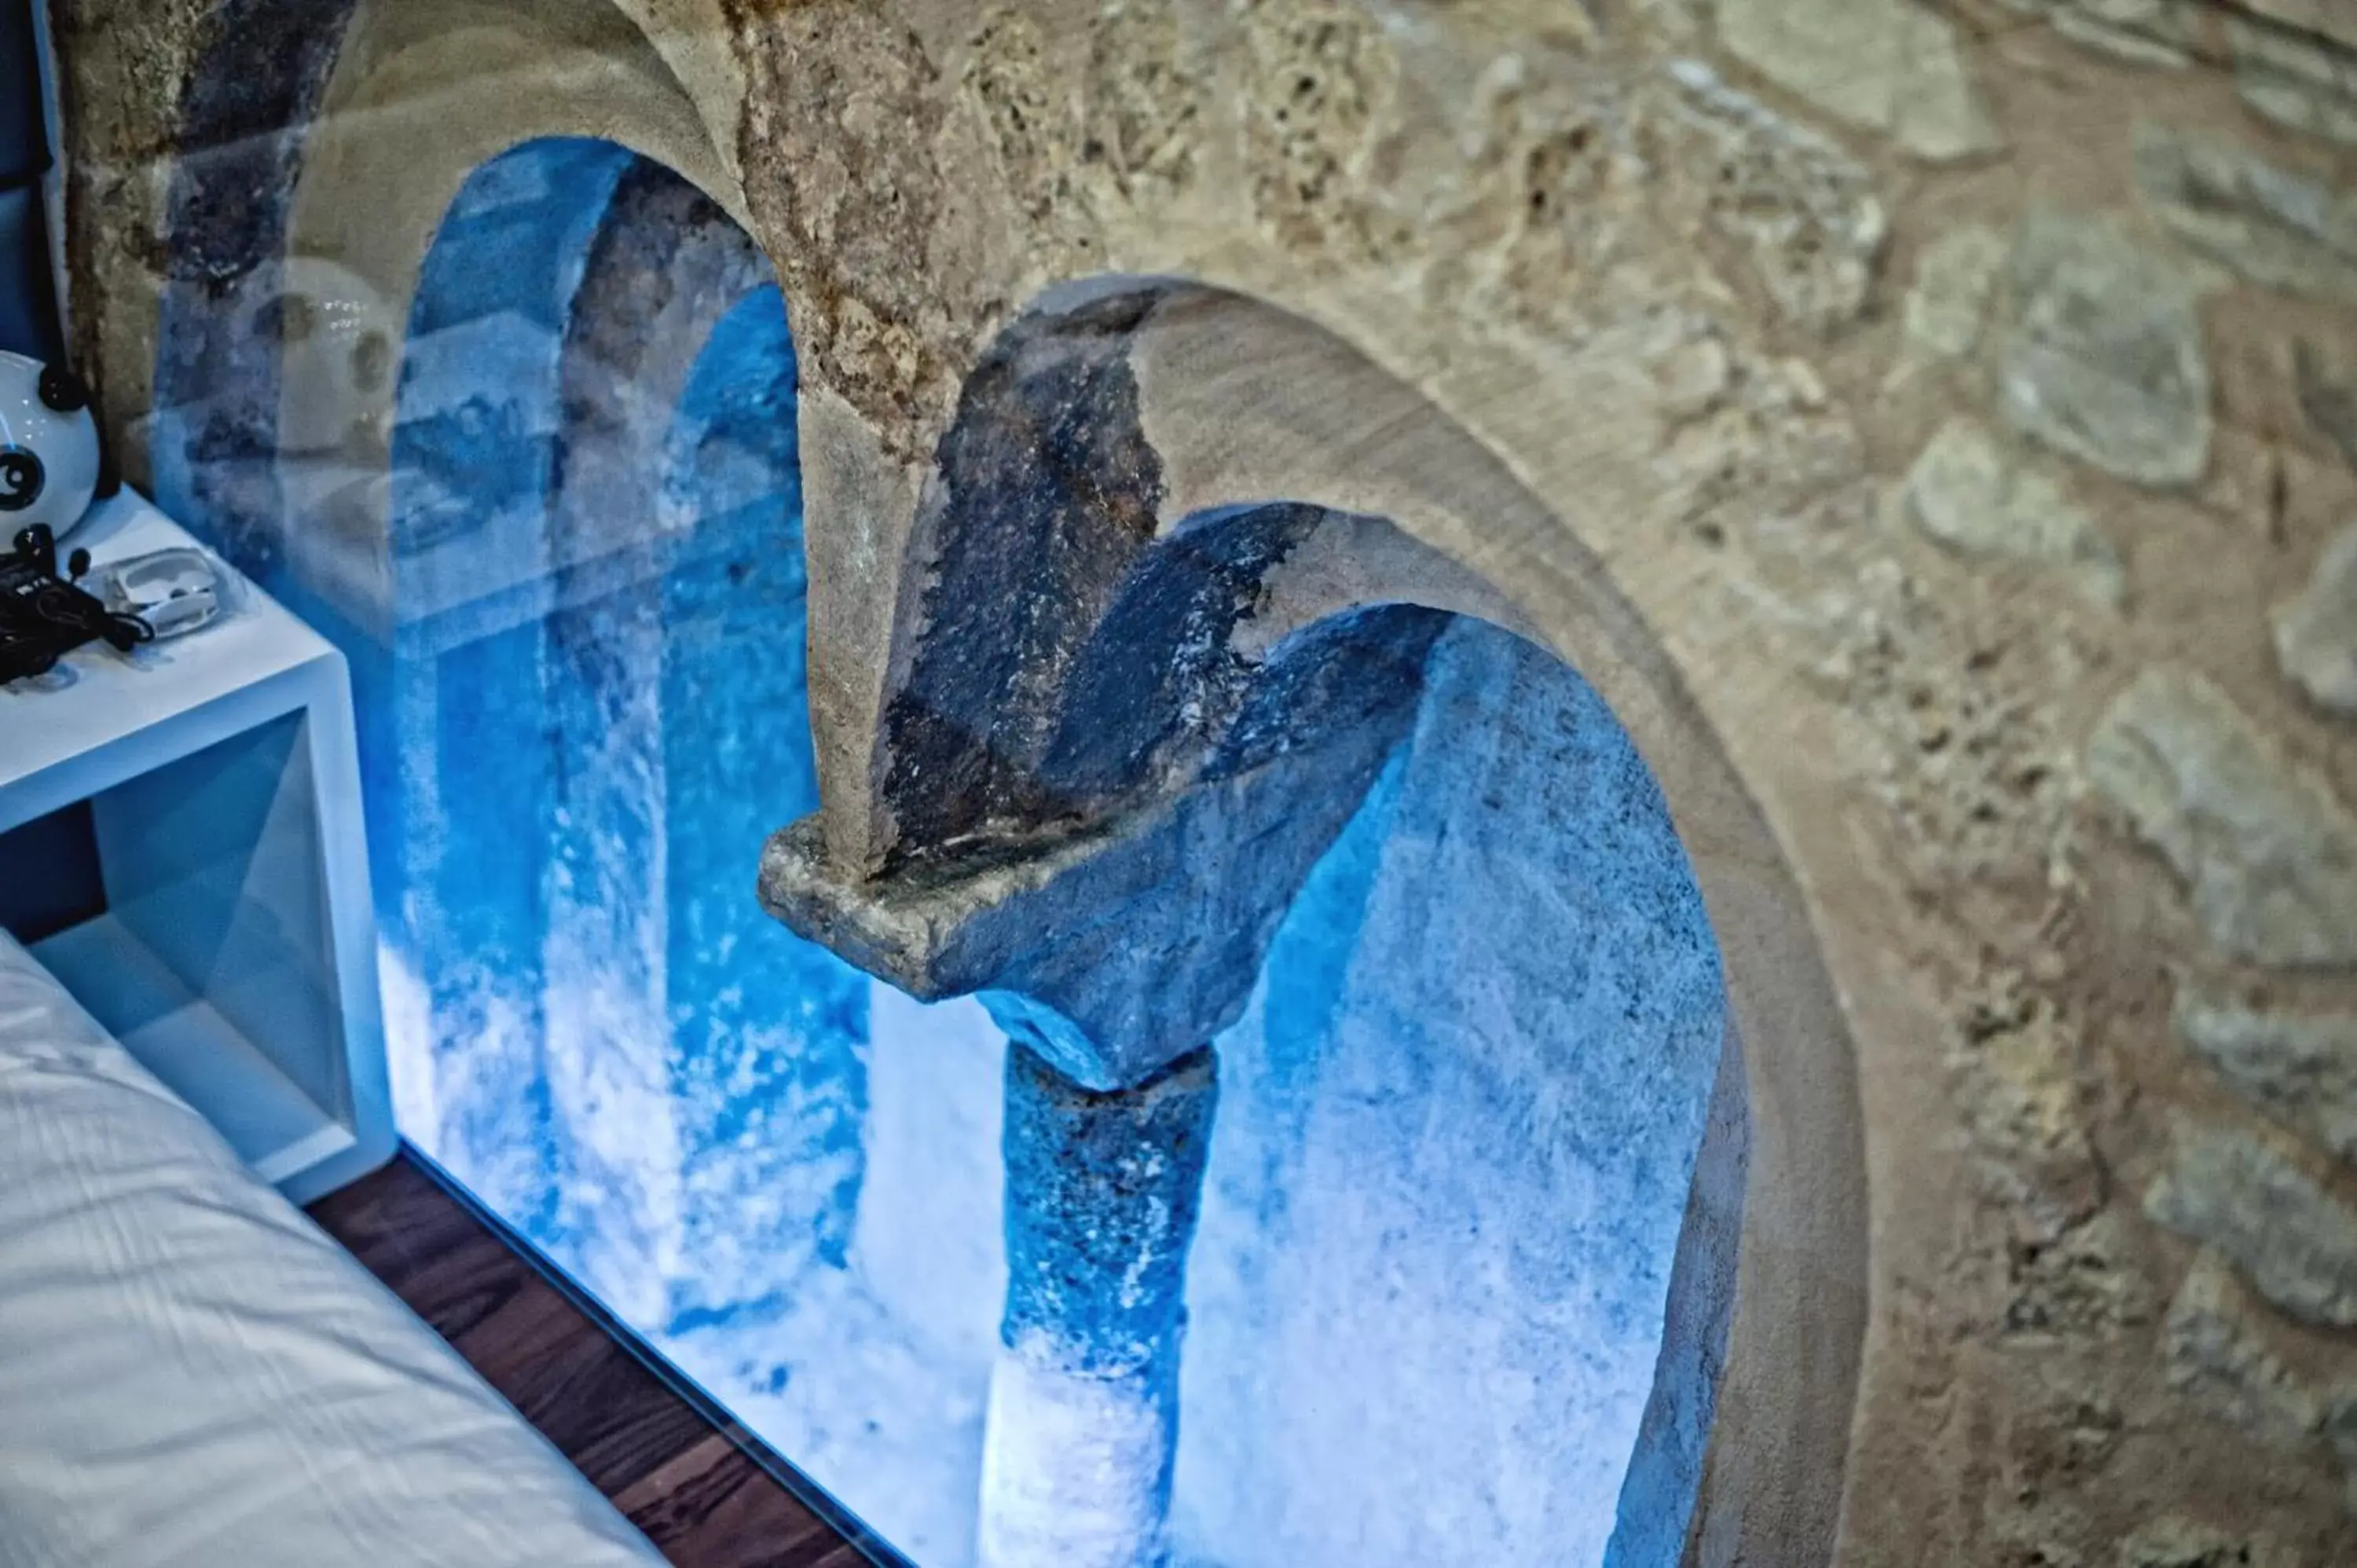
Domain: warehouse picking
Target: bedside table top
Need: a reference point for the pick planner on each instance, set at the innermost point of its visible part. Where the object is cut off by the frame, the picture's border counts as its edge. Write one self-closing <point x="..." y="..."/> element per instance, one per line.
<point x="51" y="729"/>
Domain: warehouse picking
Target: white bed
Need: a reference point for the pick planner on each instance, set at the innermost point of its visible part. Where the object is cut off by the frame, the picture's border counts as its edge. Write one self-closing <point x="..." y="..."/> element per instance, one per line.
<point x="192" y="1374"/>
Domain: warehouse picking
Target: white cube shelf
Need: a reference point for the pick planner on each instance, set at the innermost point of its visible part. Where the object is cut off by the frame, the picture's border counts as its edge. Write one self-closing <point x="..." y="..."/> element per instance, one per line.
<point x="236" y="957"/>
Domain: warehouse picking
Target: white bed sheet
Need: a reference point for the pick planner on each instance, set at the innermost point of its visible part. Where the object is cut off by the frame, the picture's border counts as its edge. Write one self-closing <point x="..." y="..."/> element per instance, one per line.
<point x="193" y="1375"/>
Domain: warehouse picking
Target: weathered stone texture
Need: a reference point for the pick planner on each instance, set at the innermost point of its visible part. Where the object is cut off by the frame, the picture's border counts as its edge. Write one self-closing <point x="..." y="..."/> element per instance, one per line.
<point x="2103" y="360"/>
<point x="2292" y="1240"/>
<point x="1103" y="1184"/>
<point x="1746" y="440"/>
<point x="2162" y="33"/>
<point x="1542" y="198"/>
<point x="2081" y="1286"/>
<point x="2331" y="19"/>
<point x="2180" y="1543"/>
<point x="2268" y="851"/>
<point x="2215" y="1341"/>
<point x="2019" y="1065"/>
<point x="2340" y="1431"/>
<point x="1884" y="65"/>
<point x="1321" y="86"/>
<point x="2315" y="631"/>
<point x="2300" y="1068"/>
<point x="2295" y="80"/>
<point x="842" y="159"/>
<point x="1146" y="102"/>
<point x="1949" y="299"/>
<point x="1632" y="249"/>
<point x="1800" y="211"/>
<point x="1025" y="109"/>
<point x="1099" y="1188"/>
<point x="2274" y="226"/>
<point x="1967" y="491"/>
<point x="1081" y="143"/>
<point x="2291" y="1390"/>
<point x="2328" y="398"/>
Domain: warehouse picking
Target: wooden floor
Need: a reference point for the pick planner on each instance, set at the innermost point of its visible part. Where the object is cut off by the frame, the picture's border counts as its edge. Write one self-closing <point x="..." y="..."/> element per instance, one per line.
<point x="691" y="1485"/>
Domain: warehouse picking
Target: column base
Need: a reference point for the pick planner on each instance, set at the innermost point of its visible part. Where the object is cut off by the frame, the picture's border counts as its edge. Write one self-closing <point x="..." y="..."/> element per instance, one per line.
<point x="1076" y="1467"/>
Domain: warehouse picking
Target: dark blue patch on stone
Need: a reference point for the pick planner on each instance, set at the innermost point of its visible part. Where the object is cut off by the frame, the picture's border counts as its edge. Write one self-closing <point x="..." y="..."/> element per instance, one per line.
<point x="1102" y="1195"/>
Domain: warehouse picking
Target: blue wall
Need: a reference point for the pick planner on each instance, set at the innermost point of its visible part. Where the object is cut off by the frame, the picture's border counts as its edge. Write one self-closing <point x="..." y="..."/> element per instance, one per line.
<point x="1457" y="1135"/>
<point x="574" y="754"/>
<point x="458" y="779"/>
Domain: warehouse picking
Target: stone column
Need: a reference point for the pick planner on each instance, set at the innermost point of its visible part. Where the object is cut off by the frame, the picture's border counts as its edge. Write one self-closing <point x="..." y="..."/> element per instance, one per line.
<point x="1146" y="832"/>
<point x="1102" y="1190"/>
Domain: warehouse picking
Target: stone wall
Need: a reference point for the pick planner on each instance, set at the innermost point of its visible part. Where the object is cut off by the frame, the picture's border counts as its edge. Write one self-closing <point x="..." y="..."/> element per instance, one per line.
<point x="1930" y="427"/>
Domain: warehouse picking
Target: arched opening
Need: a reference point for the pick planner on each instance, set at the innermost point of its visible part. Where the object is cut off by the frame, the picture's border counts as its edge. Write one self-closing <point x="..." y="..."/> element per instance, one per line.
<point x="592" y="708"/>
<point x="1458" y="1133"/>
<point x="794" y="1190"/>
<point x="1059" y="811"/>
<point x="1222" y="401"/>
<point x="1465" y="1262"/>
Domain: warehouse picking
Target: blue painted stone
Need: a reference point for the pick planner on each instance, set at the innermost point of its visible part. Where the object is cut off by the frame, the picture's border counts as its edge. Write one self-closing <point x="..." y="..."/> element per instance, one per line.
<point x="571" y="752"/>
<point x="459" y="725"/>
<point x="768" y="1031"/>
<point x="1456" y="1150"/>
<point x="1103" y="1189"/>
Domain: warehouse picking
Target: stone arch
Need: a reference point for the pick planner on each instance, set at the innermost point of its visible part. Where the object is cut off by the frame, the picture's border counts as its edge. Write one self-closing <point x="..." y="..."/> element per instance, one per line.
<point x="1493" y="320"/>
<point x="1242" y="404"/>
<point x="322" y="145"/>
<point x="1100" y="427"/>
<point x="325" y="145"/>
<point x="288" y="108"/>
<point x="588" y="682"/>
<point x="326" y="142"/>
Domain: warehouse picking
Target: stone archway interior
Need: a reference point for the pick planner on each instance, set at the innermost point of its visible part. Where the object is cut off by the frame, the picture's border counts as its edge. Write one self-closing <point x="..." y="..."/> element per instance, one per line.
<point x="1451" y="1221"/>
<point x="1461" y="1274"/>
<point x="594" y="578"/>
<point x="1458" y="1133"/>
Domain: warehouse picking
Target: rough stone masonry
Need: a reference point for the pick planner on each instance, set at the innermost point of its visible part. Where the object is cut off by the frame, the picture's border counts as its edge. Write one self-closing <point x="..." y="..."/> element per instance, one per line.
<point x="1927" y="425"/>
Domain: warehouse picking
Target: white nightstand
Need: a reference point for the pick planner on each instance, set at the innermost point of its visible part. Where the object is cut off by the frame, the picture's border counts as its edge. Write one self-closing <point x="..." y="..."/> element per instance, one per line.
<point x="237" y="953"/>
